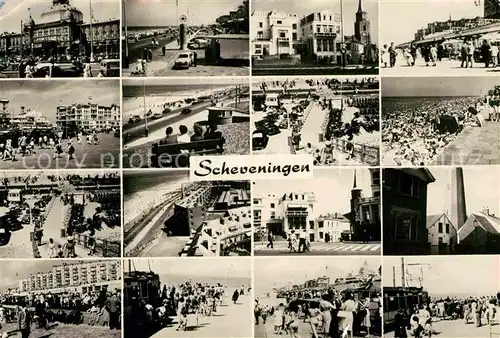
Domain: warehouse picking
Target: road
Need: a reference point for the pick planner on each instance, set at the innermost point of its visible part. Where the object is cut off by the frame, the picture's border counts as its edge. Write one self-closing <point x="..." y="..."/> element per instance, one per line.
<point x="444" y="68"/>
<point x="312" y="70"/>
<point x="458" y="328"/>
<point x="231" y="320"/>
<point x="166" y="246"/>
<point x="106" y="154"/>
<point x="95" y="67"/>
<point x="64" y="331"/>
<point x="319" y="248"/>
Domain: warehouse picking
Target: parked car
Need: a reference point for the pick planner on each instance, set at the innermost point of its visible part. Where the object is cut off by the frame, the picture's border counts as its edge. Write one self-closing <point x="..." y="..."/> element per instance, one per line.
<point x="58" y="70"/>
<point x="259" y="140"/>
<point x="134" y="119"/>
<point x="166" y="111"/>
<point x="186" y="111"/>
<point x="110" y="67"/>
<point x="268" y="127"/>
<point x="184" y="60"/>
<point x="156" y="115"/>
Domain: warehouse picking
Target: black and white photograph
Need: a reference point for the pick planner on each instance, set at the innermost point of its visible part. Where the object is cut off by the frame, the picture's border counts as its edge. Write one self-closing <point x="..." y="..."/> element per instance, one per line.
<point x="167" y="121"/>
<point x="429" y="296"/>
<point x="185" y="38"/>
<point x="441" y="211"/>
<point x="298" y="37"/>
<point x="60" y="38"/>
<point x="59" y="124"/>
<point x="440" y="121"/>
<point x="65" y="298"/>
<point x="318" y="297"/>
<point x="166" y="215"/>
<point x="188" y="298"/>
<point x="60" y="214"/>
<point x="335" y="120"/>
<point x="335" y="213"/>
<point x="453" y="37"/>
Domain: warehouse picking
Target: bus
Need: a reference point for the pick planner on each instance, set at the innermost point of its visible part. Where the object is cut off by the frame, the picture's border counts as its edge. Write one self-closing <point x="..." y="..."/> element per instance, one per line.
<point x="401" y="298"/>
<point x="272" y="100"/>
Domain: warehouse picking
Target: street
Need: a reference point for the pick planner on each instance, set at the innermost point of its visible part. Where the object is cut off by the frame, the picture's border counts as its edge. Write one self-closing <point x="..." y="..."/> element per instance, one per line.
<point x="230" y="320"/>
<point x="319" y="248"/>
<point x="444" y="68"/>
<point x="473" y="146"/>
<point x="64" y="331"/>
<point x="458" y="328"/>
<point x="106" y="154"/>
<point x="162" y="65"/>
<point x="95" y="67"/>
<point x="304" y="69"/>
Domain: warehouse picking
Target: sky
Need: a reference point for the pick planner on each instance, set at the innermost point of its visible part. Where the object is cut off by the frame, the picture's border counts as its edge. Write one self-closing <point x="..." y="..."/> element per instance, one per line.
<point x="279" y="272"/>
<point x="195" y="267"/>
<point x="13" y="11"/>
<point x="332" y="188"/>
<point x="478" y="193"/>
<point x="448" y="275"/>
<point x="164" y="12"/>
<point x="403" y="18"/>
<point x="442" y="86"/>
<point x="302" y="7"/>
<point x="45" y="96"/>
<point x="222" y="81"/>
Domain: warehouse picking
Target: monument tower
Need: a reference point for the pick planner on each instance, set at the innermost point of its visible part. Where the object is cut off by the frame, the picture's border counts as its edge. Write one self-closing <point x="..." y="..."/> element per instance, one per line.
<point x="458" y="205"/>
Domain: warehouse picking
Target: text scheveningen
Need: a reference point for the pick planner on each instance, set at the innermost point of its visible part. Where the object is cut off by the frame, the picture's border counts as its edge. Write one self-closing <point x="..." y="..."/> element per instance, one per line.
<point x="250" y="167"/>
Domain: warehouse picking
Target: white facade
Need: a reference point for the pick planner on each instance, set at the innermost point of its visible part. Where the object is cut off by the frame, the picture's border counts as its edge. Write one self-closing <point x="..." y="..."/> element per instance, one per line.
<point x="331" y="227"/>
<point x="274" y="33"/>
<point x="265" y="208"/>
<point x="322" y="32"/>
<point x="441" y="231"/>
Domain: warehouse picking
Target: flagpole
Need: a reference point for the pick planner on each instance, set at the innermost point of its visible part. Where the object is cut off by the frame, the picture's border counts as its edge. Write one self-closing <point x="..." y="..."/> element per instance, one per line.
<point x="91" y="34"/>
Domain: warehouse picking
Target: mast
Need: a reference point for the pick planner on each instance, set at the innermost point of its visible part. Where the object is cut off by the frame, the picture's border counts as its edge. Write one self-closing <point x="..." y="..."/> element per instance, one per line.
<point x="91" y="34"/>
<point x="125" y="28"/>
<point x="403" y="272"/>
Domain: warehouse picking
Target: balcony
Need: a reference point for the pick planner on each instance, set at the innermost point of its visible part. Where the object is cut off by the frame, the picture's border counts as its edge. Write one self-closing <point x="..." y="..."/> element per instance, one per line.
<point x="325" y="35"/>
<point x="283" y="39"/>
<point x="297" y="213"/>
<point x="261" y="38"/>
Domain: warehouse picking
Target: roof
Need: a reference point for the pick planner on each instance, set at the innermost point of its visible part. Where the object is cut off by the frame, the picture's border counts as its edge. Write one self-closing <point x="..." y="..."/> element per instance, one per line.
<point x="422" y="173"/>
<point x="431" y="219"/>
<point x="489" y="223"/>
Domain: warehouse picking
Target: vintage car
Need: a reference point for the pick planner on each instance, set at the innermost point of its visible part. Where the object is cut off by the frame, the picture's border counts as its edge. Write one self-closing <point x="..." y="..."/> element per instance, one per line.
<point x="259" y="140"/>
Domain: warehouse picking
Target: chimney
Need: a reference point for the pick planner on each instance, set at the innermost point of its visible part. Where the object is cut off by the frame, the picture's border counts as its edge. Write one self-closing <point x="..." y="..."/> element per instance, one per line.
<point x="458" y="205"/>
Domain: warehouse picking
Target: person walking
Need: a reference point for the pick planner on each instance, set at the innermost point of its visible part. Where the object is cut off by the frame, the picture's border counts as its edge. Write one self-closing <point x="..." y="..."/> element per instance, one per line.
<point x="113" y="307"/>
<point x="23" y="320"/>
<point x="270" y="239"/>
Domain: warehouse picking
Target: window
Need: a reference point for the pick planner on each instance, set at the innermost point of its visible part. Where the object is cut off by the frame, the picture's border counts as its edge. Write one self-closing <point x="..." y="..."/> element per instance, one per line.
<point x="440" y="227"/>
<point x="272" y="205"/>
<point x="294" y="36"/>
<point x="321" y="235"/>
<point x="447" y="228"/>
<point x="406" y="227"/>
<point x="330" y="18"/>
<point x="294" y="26"/>
<point x="324" y="17"/>
<point x="279" y="22"/>
<point x="296" y="197"/>
<point x="440" y="240"/>
<point x="364" y="27"/>
<point x="321" y="224"/>
<point x="260" y="24"/>
<point x="255" y="201"/>
<point x="318" y="29"/>
<point x="311" y="224"/>
<point x="282" y="35"/>
<point x="273" y="215"/>
<point x="376" y="177"/>
<point x="408" y="186"/>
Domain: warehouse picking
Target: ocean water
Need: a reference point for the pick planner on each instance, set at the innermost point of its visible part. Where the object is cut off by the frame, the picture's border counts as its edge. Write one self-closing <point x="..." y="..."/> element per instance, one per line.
<point x="394" y="103"/>
<point x="162" y="90"/>
<point x="150" y="181"/>
<point x="231" y="282"/>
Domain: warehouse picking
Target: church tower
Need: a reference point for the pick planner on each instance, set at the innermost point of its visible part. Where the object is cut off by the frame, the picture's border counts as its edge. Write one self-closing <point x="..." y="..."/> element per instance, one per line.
<point x="356" y="196"/>
<point x="362" y="28"/>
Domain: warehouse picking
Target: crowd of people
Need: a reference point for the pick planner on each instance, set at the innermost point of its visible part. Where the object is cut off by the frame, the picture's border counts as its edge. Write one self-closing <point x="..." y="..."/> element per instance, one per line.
<point x="418" y="321"/>
<point x="417" y="134"/>
<point x="91" y="308"/>
<point x="184" y="304"/>
<point x="326" y="313"/>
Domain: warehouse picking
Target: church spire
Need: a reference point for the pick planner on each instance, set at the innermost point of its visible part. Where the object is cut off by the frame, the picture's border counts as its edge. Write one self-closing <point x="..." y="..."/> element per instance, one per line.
<point x="354" y="184"/>
<point x="360" y="6"/>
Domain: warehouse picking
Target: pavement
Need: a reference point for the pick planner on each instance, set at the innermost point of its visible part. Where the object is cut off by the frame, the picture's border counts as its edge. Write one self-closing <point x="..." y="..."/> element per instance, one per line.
<point x="319" y="248"/>
<point x="230" y="320"/>
<point x="444" y="68"/>
<point x="458" y="328"/>
<point x="64" y="331"/>
<point x="473" y="146"/>
<point x="166" y="246"/>
<point x="162" y="65"/>
<point x="95" y="68"/>
<point x="106" y="154"/>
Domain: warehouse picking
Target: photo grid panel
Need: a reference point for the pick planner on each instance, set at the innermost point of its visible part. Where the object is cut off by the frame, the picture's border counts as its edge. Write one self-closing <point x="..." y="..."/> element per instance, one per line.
<point x="60" y="171"/>
<point x="440" y="177"/>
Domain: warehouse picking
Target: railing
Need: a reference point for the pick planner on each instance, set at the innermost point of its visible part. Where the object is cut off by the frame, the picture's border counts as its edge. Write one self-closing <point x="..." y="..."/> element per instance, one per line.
<point x="283" y="39"/>
<point x="296" y="213"/>
<point x="103" y="247"/>
<point x="366" y="154"/>
<point x="34" y="243"/>
<point x="325" y="35"/>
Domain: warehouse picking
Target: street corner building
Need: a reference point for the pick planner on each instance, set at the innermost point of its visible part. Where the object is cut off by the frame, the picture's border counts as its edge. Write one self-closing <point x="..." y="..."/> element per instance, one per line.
<point x="281" y="218"/>
<point x="63" y="215"/>
<point x="426" y="211"/>
<point x="199" y="38"/>
<point x="282" y="42"/>
<point x="64" y="298"/>
<point x="202" y="219"/>
<point x="56" y="39"/>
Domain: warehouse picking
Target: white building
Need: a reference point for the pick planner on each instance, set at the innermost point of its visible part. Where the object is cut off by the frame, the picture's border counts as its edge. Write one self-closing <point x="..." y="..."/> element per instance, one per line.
<point x="331" y="227"/>
<point x="89" y="116"/>
<point x="321" y="34"/>
<point x="442" y="234"/>
<point x="274" y="33"/>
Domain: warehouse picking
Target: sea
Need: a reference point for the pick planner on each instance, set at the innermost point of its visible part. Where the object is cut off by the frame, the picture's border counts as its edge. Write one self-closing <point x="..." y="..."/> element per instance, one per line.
<point x="414" y="102"/>
<point x="150" y="180"/>
<point x="132" y="91"/>
<point x="231" y="282"/>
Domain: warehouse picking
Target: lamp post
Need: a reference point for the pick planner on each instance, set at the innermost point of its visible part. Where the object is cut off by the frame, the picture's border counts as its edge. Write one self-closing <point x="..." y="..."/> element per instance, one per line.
<point x="91" y="34"/>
